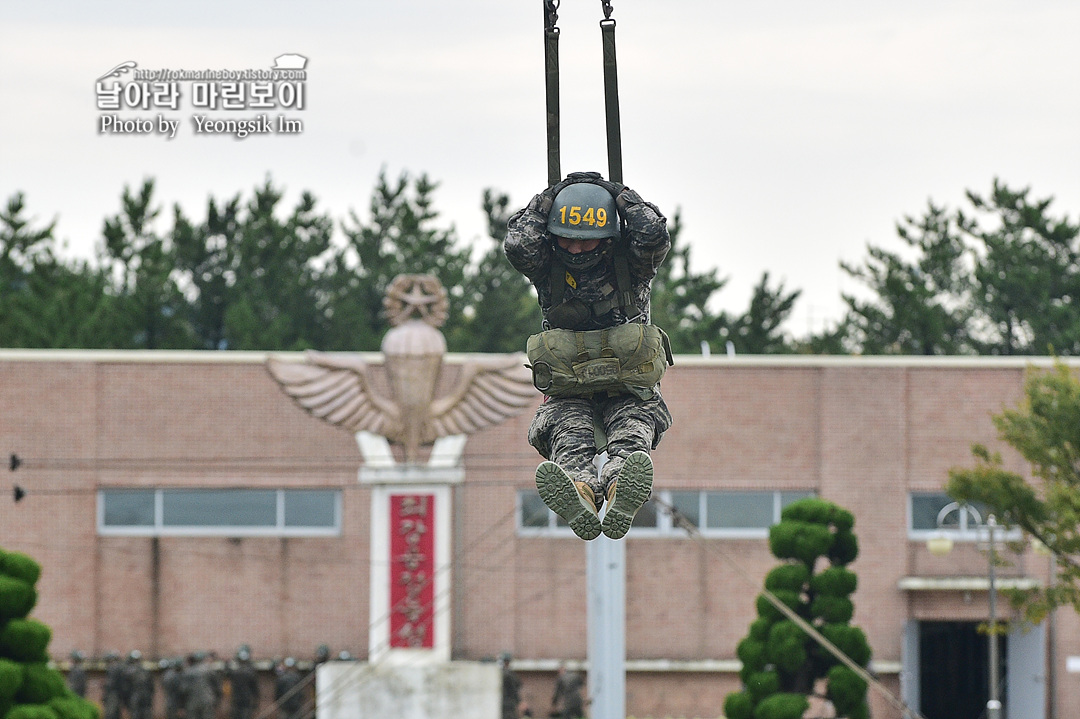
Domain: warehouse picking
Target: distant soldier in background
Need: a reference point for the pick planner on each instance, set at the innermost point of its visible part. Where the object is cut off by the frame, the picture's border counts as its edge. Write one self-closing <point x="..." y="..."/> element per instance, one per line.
<point x="567" y="702"/>
<point x="200" y="693"/>
<point x="287" y="690"/>
<point x="76" y="678"/>
<point x="140" y="684"/>
<point x="243" y="685"/>
<point x="322" y="655"/>
<point x="113" y="693"/>
<point x="511" y="688"/>
<point x="172" y="686"/>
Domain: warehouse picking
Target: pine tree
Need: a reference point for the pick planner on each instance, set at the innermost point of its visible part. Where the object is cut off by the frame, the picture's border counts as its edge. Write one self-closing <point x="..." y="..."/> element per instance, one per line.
<point x="29" y="688"/>
<point x="500" y="309"/>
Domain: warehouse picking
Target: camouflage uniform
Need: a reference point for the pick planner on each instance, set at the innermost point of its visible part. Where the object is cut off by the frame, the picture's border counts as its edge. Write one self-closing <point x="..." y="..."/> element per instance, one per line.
<point x="114" y="690"/>
<point x="562" y="429"/>
<point x="567" y="702"/>
<point x="244" y="687"/>
<point x="511" y="689"/>
<point x="76" y="678"/>
<point x="172" y="686"/>
<point x="287" y="691"/>
<point x="200" y="690"/>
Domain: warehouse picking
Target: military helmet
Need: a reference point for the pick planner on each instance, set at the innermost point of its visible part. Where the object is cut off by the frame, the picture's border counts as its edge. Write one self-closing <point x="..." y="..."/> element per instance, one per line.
<point x="583" y="211"/>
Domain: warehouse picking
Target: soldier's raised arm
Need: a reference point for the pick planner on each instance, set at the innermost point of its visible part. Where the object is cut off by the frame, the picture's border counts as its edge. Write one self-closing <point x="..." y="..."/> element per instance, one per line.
<point x="527" y="245"/>
<point x="646" y="233"/>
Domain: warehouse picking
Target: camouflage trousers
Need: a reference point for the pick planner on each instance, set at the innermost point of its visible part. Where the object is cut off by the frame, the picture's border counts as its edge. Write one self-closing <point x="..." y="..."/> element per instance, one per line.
<point x="562" y="431"/>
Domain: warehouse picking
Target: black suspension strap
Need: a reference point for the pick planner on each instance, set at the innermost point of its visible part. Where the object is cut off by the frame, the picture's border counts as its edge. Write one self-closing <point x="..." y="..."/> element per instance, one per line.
<point x="551" y="72"/>
<point x="611" y="95"/>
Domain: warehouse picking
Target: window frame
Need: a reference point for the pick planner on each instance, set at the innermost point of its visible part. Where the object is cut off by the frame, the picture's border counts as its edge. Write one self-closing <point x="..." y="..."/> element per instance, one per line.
<point x="962" y="533"/>
<point x="665" y="527"/>
<point x="160" y="529"/>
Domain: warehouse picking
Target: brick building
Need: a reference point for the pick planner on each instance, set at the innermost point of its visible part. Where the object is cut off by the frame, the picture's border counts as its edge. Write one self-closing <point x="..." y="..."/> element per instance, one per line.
<point x="118" y="451"/>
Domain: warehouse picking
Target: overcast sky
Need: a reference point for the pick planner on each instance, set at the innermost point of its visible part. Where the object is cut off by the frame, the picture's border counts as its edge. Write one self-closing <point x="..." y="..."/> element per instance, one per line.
<point x="789" y="133"/>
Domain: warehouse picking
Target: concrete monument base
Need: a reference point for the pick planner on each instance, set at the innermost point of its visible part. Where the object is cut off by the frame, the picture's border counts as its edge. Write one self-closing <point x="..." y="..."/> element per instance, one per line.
<point x="358" y="690"/>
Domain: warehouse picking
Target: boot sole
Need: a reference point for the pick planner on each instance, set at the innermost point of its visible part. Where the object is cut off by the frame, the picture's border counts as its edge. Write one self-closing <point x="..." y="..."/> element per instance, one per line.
<point x="561" y="496"/>
<point x="633" y="489"/>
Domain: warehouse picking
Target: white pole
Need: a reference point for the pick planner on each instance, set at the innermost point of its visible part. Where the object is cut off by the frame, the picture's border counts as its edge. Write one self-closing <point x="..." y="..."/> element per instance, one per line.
<point x="993" y="707"/>
<point x="606" y="617"/>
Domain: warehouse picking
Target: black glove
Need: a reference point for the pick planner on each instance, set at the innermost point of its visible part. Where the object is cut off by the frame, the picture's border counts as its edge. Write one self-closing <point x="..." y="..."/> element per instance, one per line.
<point x="542" y="202"/>
<point x="613" y="187"/>
<point x="582" y="177"/>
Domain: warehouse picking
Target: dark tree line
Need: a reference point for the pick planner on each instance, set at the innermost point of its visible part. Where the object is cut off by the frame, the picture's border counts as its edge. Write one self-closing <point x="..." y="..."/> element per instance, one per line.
<point x="999" y="277"/>
<point x="251" y="274"/>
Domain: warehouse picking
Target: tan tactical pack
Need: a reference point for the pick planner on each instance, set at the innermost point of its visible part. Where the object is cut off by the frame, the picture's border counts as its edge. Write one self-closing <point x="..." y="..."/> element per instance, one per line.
<point x="628" y="358"/>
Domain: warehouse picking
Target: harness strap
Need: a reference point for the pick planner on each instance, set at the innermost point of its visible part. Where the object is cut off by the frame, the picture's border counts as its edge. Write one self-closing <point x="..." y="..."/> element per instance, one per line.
<point x="551" y="73"/>
<point x="611" y="97"/>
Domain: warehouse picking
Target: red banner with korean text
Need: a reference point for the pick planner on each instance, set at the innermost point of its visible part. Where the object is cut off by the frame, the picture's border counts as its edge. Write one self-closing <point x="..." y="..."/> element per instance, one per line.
<point x="412" y="571"/>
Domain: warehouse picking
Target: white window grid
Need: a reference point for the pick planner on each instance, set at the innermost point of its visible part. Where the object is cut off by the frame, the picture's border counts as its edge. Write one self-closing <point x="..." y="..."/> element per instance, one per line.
<point x="160" y="529"/>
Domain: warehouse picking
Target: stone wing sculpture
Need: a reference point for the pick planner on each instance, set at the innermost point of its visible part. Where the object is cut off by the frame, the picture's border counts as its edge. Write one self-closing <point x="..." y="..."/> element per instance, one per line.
<point x="338" y="387"/>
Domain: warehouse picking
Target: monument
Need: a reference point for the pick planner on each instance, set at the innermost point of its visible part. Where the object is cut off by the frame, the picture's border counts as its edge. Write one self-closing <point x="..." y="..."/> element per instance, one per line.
<point x="409" y="674"/>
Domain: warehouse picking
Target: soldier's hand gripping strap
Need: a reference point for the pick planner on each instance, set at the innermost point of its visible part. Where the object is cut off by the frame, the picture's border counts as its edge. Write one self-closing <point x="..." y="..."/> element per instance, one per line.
<point x="630" y="358"/>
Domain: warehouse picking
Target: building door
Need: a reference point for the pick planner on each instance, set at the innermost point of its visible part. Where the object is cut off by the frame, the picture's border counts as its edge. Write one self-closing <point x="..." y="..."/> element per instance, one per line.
<point x="1026" y="672"/>
<point x="953" y="678"/>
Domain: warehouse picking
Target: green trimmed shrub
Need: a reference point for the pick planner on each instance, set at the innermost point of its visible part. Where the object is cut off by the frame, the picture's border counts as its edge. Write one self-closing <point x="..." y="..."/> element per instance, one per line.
<point x="818" y="511"/>
<point x="832" y="610"/>
<point x="862" y="711"/>
<point x="850" y="640"/>
<point x="846" y="690"/>
<point x="782" y="663"/>
<point x="782" y="706"/>
<point x="845" y="548"/>
<point x="20" y="566"/>
<point x="761" y="684"/>
<point x="31" y="711"/>
<point x="786" y="647"/>
<point x="11" y="678"/>
<point x="767" y="610"/>
<point x="738" y="705"/>
<point x="17" y="598"/>
<point x="751" y="653"/>
<point x="73" y="707"/>
<point x="25" y="640"/>
<point x="835" y="582"/>
<point x="800" y="540"/>
<point x="759" y="629"/>
<point x="40" y="684"/>
<point x="790" y="577"/>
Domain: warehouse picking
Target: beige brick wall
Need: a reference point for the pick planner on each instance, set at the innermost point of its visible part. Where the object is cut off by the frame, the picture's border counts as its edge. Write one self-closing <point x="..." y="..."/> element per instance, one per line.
<point x="861" y="433"/>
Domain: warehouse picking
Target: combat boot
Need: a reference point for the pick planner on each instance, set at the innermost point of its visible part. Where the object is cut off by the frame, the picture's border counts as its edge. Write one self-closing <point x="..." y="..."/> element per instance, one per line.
<point x="573" y="501"/>
<point x="626" y="493"/>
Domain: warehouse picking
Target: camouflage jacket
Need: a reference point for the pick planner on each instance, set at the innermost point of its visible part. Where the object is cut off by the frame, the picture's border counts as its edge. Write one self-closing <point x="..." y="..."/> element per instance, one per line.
<point x="530" y="249"/>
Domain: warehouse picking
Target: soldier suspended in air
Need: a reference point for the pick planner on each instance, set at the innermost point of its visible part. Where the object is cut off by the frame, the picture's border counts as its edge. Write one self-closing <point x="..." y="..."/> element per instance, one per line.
<point x="592" y="248"/>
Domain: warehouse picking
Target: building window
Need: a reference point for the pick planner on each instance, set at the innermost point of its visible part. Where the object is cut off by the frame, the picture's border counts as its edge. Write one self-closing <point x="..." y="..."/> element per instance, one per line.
<point x="923" y="511"/>
<point x="734" y="514"/>
<point x="219" y="512"/>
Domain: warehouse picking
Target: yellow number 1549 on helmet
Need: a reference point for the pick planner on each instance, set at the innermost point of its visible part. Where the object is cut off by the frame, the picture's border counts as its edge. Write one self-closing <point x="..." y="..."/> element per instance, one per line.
<point x="583" y="211"/>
